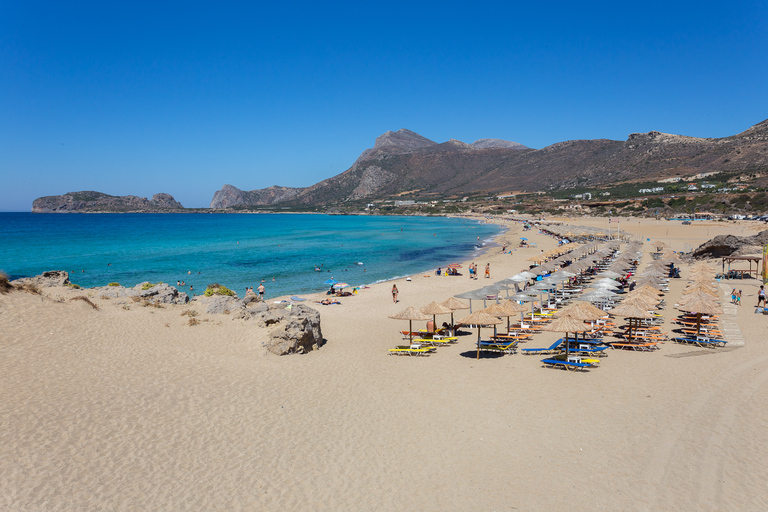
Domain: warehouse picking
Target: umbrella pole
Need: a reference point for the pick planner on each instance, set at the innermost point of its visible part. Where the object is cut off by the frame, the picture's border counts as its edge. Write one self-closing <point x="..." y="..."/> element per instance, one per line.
<point x="478" y="341"/>
<point x="410" y="332"/>
<point x="698" y="323"/>
<point x="567" y="347"/>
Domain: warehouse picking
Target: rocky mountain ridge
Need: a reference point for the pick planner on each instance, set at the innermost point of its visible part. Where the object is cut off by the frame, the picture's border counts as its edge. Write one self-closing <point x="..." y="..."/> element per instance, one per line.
<point x="404" y="161"/>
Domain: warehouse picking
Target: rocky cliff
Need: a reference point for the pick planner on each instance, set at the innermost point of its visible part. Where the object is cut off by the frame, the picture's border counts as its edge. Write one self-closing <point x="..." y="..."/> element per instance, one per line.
<point x="230" y="196"/>
<point x="97" y="202"/>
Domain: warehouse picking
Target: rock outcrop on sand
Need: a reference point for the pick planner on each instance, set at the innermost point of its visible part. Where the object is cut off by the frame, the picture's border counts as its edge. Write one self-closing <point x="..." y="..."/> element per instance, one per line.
<point x="159" y="293"/>
<point x="45" y="280"/>
<point x="730" y="245"/>
<point x="98" y="202"/>
<point x="295" y="328"/>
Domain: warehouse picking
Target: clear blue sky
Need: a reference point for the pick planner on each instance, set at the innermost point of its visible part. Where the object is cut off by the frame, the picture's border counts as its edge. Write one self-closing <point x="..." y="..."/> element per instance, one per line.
<point x="139" y="98"/>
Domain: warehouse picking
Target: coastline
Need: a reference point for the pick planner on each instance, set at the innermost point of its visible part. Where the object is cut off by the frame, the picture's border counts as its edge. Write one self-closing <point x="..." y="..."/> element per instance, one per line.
<point x="134" y="408"/>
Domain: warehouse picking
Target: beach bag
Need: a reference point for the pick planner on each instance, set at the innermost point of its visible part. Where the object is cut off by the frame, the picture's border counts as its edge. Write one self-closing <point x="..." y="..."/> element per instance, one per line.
<point x="760" y="310"/>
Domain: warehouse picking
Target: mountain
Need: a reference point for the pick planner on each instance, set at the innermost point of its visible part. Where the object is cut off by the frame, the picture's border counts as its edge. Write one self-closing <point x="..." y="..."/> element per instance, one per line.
<point x="374" y="172"/>
<point x="96" y="202"/>
<point x="406" y="162"/>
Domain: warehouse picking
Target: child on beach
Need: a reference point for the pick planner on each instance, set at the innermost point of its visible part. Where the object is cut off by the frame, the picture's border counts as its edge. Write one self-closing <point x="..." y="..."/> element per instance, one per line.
<point x="487" y="270"/>
<point x="394" y="293"/>
<point x="733" y="296"/>
<point x="761" y="296"/>
<point x="738" y="298"/>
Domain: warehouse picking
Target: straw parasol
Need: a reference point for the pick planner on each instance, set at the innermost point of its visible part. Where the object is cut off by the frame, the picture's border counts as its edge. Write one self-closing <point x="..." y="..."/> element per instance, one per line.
<point x="566" y="324"/>
<point x="479" y="318"/>
<point x="454" y="304"/>
<point x="434" y="309"/>
<point x="500" y="311"/>
<point x="632" y="312"/>
<point x="699" y="305"/>
<point x="410" y="313"/>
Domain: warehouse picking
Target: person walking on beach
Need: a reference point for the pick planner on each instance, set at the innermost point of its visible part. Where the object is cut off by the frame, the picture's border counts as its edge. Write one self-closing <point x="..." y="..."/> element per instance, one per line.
<point x="738" y="298"/>
<point x="261" y="292"/>
<point x="487" y="270"/>
<point x="761" y="296"/>
<point x="394" y="293"/>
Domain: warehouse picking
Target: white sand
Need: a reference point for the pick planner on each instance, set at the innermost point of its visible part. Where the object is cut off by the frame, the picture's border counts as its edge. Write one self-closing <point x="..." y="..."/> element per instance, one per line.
<point x="135" y="410"/>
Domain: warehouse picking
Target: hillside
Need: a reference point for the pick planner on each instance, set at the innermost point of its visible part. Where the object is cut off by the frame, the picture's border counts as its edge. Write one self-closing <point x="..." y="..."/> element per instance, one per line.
<point x="404" y="161"/>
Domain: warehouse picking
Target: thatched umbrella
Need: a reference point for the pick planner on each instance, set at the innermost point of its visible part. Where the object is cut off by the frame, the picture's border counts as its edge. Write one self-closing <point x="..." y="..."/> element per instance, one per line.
<point x="410" y="313"/>
<point x="566" y="324"/>
<point x="699" y="305"/>
<point x="479" y="318"/>
<point x="434" y="309"/>
<point x="454" y="304"/>
<point x="632" y="312"/>
<point x="499" y="311"/>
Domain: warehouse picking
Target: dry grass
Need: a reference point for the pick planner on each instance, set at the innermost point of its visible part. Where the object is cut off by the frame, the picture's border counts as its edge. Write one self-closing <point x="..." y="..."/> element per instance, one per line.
<point x="86" y="300"/>
<point x="5" y="284"/>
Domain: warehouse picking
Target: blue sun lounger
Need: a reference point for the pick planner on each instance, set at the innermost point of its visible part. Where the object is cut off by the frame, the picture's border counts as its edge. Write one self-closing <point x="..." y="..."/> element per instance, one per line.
<point x="567" y="365"/>
<point x="553" y="348"/>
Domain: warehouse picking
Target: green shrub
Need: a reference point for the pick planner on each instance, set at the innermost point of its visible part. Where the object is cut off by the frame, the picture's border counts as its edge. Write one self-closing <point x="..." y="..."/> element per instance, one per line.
<point x="147" y="286"/>
<point x="113" y="284"/>
<point x="74" y="286"/>
<point x="217" y="289"/>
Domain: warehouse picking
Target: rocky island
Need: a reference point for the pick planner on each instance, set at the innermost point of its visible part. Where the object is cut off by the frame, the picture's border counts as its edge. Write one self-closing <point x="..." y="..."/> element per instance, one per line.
<point x="98" y="202"/>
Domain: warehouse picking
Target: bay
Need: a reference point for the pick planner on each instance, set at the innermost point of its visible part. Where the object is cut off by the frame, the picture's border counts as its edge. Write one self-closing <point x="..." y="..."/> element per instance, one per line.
<point x="235" y="250"/>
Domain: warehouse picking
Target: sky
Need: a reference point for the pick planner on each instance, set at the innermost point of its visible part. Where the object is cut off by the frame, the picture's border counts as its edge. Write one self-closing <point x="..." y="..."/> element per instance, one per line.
<point x="140" y="98"/>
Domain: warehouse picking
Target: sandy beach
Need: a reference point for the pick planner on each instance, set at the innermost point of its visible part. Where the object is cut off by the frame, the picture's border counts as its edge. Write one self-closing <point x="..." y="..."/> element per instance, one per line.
<point x="133" y="409"/>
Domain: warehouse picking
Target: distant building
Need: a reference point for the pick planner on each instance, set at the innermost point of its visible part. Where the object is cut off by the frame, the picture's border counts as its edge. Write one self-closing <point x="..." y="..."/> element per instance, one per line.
<point x="408" y="202"/>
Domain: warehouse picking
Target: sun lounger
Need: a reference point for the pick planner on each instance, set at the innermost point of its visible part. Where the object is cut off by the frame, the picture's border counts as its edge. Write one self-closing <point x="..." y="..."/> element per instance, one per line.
<point x="506" y="348"/>
<point x="434" y="342"/>
<point x="703" y="342"/>
<point x="554" y="348"/>
<point x="638" y="347"/>
<point x="413" y="350"/>
<point x="566" y="365"/>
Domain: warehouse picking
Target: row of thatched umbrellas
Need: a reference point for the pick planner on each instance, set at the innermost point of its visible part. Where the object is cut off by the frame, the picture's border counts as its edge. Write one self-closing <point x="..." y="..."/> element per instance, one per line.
<point x="492" y="314"/>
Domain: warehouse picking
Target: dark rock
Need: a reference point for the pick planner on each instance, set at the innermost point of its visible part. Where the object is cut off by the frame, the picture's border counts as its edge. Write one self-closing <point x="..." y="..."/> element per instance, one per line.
<point x="726" y="245"/>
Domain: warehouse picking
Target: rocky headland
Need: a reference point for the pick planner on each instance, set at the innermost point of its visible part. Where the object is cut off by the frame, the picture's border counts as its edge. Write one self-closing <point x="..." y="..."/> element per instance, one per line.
<point x="98" y="202"/>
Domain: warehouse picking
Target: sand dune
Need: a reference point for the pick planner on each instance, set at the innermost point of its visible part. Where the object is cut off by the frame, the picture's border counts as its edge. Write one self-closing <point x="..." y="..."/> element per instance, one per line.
<point x="133" y="409"/>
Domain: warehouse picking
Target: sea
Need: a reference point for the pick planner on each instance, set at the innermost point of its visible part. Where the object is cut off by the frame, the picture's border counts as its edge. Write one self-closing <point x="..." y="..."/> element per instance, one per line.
<point x="292" y="254"/>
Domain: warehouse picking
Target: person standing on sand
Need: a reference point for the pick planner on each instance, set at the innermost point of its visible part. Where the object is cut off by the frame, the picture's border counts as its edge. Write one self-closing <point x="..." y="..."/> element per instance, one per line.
<point x="733" y="296"/>
<point x="761" y="296"/>
<point x="261" y="291"/>
<point x="487" y="270"/>
<point x="394" y="293"/>
<point x="738" y="298"/>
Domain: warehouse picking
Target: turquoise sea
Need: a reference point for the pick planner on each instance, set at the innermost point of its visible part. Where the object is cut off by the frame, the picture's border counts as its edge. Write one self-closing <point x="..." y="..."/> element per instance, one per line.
<point x="235" y="250"/>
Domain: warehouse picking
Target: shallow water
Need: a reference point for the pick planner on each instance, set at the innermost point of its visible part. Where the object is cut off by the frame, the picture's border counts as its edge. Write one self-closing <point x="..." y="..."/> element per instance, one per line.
<point x="235" y="250"/>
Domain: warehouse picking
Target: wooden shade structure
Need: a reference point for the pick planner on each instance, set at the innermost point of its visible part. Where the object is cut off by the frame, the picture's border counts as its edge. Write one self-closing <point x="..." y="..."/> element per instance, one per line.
<point x="480" y="318"/>
<point x="410" y="313"/>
